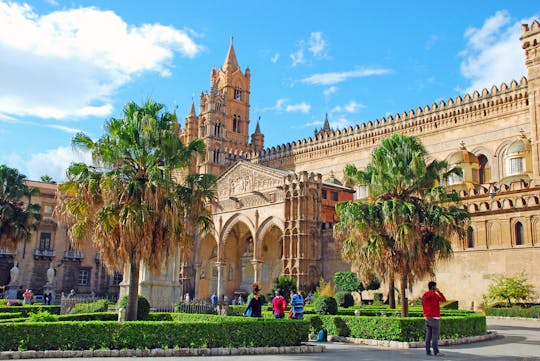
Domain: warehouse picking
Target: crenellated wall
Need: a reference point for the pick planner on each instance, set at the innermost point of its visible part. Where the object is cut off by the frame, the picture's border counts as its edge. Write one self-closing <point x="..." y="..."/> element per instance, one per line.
<point x="442" y="126"/>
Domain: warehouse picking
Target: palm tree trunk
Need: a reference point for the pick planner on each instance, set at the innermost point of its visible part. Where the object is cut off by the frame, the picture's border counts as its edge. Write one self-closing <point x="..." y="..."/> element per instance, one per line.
<point x="391" y="292"/>
<point x="403" y="292"/>
<point x="133" y="291"/>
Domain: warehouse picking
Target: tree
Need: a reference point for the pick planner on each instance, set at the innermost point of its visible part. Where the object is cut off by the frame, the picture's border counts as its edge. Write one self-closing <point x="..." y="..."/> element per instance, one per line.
<point x="406" y="223"/>
<point x="131" y="203"/>
<point x="47" y="179"/>
<point x="18" y="216"/>
<point x="285" y="284"/>
<point x="510" y="289"/>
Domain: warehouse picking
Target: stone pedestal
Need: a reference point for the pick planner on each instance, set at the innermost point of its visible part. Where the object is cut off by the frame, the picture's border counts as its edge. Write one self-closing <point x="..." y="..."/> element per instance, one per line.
<point x="49" y="288"/>
<point x="11" y="292"/>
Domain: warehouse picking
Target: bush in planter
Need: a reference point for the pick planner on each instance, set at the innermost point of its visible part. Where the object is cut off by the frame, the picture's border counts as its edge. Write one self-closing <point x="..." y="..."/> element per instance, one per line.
<point x="143" y="306"/>
<point x="326" y="305"/>
<point x="344" y="299"/>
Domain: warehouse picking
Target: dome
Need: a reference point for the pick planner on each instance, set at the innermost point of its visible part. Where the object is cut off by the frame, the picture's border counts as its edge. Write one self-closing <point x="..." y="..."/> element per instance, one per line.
<point x="462" y="156"/>
<point x="518" y="146"/>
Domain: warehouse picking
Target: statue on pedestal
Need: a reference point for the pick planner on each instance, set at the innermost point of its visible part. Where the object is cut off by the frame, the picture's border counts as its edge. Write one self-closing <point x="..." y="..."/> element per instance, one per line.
<point x="50" y="274"/>
<point x="14" y="274"/>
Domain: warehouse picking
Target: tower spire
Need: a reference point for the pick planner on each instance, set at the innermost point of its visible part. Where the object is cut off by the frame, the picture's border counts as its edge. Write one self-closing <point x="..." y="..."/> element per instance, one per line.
<point x="231" y="64"/>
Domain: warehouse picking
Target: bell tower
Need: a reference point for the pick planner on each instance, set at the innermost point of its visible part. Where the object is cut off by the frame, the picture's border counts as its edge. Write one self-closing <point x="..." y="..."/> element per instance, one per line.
<point x="224" y="116"/>
<point x="530" y="40"/>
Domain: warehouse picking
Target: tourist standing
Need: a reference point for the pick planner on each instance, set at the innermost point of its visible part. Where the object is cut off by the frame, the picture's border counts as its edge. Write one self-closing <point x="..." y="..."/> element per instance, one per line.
<point x="254" y="306"/>
<point x="432" y="312"/>
<point x="27" y="297"/>
<point x="297" y="305"/>
<point x="279" y="303"/>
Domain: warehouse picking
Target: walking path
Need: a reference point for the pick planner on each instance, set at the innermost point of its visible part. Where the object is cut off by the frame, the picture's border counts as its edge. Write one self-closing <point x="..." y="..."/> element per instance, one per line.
<point x="518" y="340"/>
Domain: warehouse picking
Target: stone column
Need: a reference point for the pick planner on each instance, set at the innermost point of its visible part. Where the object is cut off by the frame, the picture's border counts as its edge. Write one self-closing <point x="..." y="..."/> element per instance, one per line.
<point x="219" y="266"/>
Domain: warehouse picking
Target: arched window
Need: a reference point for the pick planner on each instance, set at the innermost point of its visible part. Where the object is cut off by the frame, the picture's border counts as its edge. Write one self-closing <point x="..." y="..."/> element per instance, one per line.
<point x="482" y="171"/>
<point x="519" y="233"/>
<point x="235" y="124"/>
<point x="470" y="237"/>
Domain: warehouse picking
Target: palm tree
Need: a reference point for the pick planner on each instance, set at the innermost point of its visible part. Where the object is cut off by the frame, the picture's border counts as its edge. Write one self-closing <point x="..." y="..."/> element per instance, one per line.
<point x="130" y="203"/>
<point x="18" y="216"/>
<point x="47" y="179"/>
<point x="406" y="224"/>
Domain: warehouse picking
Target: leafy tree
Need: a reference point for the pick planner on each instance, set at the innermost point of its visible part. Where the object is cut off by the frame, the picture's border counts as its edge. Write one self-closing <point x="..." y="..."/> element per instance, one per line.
<point x="285" y="284"/>
<point x="47" y="179"/>
<point x="346" y="281"/>
<point x="406" y="223"/>
<point x="18" y="216"/>
<point x="510" y="289"/>
<point x="324" y="289"/>
<point x="137" y="203"/>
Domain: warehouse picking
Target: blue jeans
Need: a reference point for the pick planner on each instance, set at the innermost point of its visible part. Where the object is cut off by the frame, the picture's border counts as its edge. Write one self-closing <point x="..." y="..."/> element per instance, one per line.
<point x="433" y="330"/>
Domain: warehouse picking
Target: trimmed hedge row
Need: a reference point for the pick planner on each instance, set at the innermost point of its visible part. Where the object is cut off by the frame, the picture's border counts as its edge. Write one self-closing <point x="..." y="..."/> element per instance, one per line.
<point x="396" y="328"/>
<point x="26" y="309"/>
<point x="247" y="332"/>
<point x="515" y="311"/>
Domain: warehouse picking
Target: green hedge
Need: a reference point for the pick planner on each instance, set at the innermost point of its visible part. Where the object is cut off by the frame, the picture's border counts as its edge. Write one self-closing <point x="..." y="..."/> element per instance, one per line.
<point x="247" y="332"/>
<point x="397" y="328"/>
<point x="515" y="311"/>
<point x="26" y="309"/>
<point x="4" y="316"/>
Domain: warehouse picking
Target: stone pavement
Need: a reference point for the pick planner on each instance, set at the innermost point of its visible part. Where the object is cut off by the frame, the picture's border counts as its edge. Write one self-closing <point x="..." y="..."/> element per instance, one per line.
<point x="519" y="341"/>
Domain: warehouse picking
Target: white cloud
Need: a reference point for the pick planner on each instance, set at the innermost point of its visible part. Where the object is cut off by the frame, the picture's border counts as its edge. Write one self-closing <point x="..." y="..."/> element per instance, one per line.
<point x="282" y="105"/>
<point x="300" y="107"/>
<point x="81" y="57"/>
<point x="54" y="163"/>
<point x="298" y="57"/>
<point x="493" y="52"/>
<point x="317" y="44"/>
<point x="340" y="123"/>
<point x="351" y="107"/>
<point x="52" y="2"/>
<point x="338" y="77"/>
<point x="275" y="58"/>
<point x="330" y="90"/>
<point x="65" y="129"/>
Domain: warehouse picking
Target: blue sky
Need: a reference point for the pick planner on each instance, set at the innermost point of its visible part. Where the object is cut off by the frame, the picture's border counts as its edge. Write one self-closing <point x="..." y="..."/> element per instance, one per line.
<point x="67" y="66"/>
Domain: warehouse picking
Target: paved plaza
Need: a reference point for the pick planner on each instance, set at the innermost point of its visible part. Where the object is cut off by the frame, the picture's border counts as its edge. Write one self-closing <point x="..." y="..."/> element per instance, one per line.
<point x="518" y="340"/>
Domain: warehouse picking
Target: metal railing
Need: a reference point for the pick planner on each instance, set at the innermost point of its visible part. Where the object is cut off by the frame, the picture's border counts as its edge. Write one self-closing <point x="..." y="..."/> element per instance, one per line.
<point x="73" y="254"/>
<point x="43" y="252"/>
<point x="7" y="252"/>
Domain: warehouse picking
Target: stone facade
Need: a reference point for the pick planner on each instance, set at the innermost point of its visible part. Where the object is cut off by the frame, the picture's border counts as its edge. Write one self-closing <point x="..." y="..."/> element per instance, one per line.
<point x="78" y="269"/>
<point x="277" y="229"/>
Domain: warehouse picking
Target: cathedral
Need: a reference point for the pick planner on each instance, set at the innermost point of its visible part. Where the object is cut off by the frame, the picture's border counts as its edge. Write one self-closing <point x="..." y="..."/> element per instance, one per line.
<point x="275" y="208"/>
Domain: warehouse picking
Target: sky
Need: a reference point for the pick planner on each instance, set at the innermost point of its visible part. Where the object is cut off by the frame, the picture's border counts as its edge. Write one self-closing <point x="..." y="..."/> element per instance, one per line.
<point x="68" y="66"/>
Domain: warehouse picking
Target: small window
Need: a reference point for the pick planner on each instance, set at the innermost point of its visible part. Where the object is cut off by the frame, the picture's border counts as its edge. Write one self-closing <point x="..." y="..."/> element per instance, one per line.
<point x="48" y="210"/>
<point x="519" y="234"/>
<point x="470" y="237"/>
<point x="334" y="196"/>
<point x="454" y="179"/>
<point x="84" y="277"/>
<point x="323" y="194"/>
<point x="237" y="94"/>
<point x="45" y="240"/>
<point x="516" y="165"/>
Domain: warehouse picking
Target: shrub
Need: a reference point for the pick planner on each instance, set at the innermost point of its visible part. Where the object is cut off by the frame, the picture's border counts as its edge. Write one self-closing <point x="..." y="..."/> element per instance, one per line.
<point x="452" y="304"/>
<point x="344" y="299"/>
<point x="42" y="316"/>
<point x="527" y="312"/>
<point x="509" y="289"/>
<point x="325" y="288"/>
<point x="96" y="306"/>
<point x="346" y="281"/>
<point x="216" y="332"/>
<point x="377" y="298"/>
<point x="143" y="306"/>
<point x="326" y="305"/>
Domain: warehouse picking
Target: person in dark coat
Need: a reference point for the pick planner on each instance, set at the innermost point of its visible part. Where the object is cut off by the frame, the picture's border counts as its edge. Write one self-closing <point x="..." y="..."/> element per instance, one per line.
<point x="254" y="306"/>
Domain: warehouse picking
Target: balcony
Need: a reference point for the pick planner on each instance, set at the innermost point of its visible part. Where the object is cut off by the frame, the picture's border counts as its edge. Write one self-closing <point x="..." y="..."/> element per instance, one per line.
<point x="44" y="253"/>
<point x="73" y="255"/>
<point x="6" y="252"/>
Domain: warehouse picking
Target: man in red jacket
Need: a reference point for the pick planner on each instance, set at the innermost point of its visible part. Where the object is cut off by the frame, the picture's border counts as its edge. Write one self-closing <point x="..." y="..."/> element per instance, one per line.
<point x="432" y="312"/>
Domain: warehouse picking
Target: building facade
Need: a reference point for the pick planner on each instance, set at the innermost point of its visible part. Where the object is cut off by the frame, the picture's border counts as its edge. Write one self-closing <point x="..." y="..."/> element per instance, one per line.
<point x="271" y="201"/>
<point x="275" y="210"/>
